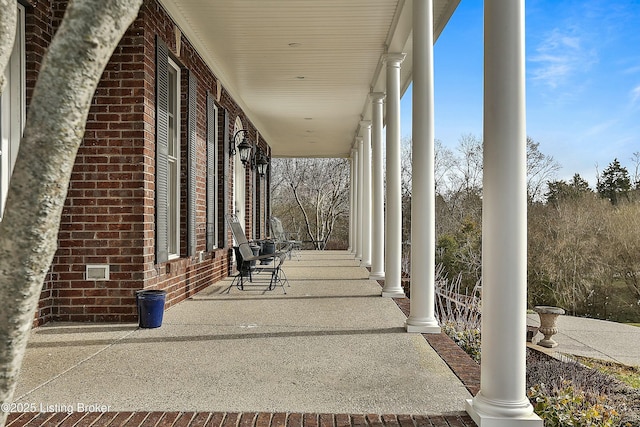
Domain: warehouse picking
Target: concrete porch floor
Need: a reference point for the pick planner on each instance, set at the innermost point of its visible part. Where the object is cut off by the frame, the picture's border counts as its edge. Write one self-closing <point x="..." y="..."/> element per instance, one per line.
<point x="331" y="345"/>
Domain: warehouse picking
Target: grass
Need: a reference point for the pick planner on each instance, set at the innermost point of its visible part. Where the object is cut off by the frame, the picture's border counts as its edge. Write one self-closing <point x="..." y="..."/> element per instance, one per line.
<point x="629" y="375"/>
<point x="615" y="301"/>
<point x="634" y="324"/>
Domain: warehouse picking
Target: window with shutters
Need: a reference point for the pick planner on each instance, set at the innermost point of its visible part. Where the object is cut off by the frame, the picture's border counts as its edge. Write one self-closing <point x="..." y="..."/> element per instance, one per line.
<point x="167" y="188"/>
<point x="12" y="110"/>
<point x="173" y="160"/>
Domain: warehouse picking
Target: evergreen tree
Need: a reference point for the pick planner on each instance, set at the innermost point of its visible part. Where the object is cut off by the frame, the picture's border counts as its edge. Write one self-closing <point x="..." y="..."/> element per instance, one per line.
<point x="614" y="184"/>
<point x="561" y="190"/>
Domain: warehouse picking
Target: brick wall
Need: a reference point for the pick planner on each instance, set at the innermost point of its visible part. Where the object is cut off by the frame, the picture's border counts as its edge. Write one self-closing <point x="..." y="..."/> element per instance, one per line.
<point x="38" y="34"/>
<point x="109" y="215"/>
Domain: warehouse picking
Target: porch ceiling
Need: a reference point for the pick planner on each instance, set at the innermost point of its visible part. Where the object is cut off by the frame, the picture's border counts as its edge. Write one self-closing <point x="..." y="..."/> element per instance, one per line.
<point x="302" y="69"/>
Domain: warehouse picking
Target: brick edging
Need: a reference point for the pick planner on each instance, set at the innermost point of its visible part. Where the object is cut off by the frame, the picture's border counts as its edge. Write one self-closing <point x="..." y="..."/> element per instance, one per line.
<point x="235" y="419"/>
<point x="462" y="365"/>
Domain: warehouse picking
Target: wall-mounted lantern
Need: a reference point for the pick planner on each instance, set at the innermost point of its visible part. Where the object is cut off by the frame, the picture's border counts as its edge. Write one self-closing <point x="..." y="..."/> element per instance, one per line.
<point x="244" y="147"/>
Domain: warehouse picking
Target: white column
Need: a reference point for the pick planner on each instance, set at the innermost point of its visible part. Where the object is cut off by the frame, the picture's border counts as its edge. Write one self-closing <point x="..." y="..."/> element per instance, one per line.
<point x="352" y="207"/>
<point x="393" y="239"/>
<point x="423" y="212"/>
<point x="359" y="199"/>
<point x="377" y="205"/>
<point x="502" y="399"/>
<point x="356" y="192"/>
<point x="365" y="127"/>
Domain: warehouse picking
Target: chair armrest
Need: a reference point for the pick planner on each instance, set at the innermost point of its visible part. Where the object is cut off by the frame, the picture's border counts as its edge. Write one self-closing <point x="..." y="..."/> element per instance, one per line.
<point x="271" y="255"/>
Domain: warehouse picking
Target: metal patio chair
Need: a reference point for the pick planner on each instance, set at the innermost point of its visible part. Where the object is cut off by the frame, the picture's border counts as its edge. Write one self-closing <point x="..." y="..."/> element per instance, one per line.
<point x="284" y="239"/>
<point x="246" y="260"/>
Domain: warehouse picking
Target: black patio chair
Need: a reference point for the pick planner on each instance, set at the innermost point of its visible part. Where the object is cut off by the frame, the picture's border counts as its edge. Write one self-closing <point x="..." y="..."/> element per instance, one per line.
<point x="246" y="260"/>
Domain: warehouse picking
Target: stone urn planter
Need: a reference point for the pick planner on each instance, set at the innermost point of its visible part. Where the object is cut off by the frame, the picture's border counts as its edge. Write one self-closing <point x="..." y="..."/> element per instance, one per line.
<point x="548" y="316"/>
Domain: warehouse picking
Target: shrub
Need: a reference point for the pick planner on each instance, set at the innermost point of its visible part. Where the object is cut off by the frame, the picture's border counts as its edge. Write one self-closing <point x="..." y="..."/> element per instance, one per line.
<point x="589" y="388"/>
<point x="570" y="407"/>
<point x="458" y="312"/>
<point x="542" y="369"/>
<point x="467" y="339"/>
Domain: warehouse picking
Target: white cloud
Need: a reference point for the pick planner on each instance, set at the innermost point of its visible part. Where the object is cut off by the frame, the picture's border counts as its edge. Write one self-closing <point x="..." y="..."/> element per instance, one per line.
<point x="631" y="70"/>
<point x="599" y="128"/>
<point x="560" y="56"/>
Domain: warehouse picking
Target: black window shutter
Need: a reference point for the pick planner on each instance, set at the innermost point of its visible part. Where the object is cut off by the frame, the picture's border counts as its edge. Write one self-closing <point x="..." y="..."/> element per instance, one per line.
<point x="162" y="151"/>
<point x="225" y="180"/>
<point x="191" y="165"/>
<point x="211" y="172"/>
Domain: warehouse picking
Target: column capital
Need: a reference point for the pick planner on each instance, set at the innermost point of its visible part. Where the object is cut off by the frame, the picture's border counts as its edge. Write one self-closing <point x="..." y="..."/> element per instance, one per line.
<point x="394" y="59"/>
<point x="364" y="124"/>
<point x="377" y="96"/>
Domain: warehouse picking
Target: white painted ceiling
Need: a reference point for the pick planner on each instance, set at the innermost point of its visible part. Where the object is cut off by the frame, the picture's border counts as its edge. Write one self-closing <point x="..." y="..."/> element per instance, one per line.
<point x="302" y="69"/>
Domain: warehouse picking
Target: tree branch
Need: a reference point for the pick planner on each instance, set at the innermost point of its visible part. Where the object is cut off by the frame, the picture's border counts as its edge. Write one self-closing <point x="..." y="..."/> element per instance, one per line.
<point x="8" y="17"/>
<point x="70" y="72"/>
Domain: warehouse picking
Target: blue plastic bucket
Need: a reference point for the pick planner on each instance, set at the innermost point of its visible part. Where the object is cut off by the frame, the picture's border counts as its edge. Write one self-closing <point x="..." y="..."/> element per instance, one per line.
<point x="150" y="308"/>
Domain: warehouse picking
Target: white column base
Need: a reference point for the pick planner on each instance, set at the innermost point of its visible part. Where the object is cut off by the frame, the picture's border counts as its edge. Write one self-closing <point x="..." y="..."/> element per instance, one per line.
<point x="393" y="293"/>
<point x="510" y="417"/>
<point x="376" y="275"/>
<point x="422" y="327"/>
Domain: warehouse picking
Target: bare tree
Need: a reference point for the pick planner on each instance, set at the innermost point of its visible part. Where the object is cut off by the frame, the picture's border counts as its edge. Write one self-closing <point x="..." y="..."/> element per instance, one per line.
<point x="312" y="195"/>
<point x="541" y="168"/>
<point x="406" y="176"/>
<point x="620" y="246"/>
<point x="406" y="185"/>
<point x="68" y="77"/>
<point x="460" y="189"/>
<point x="635" y="158"/>
<point x="565" y="251"/>
<point x="459" y="200"/>
<point x="467" y="166"/>
<point x="443" y="162"/>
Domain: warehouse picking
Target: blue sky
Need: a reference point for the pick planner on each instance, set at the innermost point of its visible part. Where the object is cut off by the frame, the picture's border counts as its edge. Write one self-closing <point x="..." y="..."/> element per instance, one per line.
<point x="583" y="81"/>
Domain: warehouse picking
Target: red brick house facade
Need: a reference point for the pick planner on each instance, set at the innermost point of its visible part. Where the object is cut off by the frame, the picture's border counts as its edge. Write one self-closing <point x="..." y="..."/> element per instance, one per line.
<point x="153" y="178"/>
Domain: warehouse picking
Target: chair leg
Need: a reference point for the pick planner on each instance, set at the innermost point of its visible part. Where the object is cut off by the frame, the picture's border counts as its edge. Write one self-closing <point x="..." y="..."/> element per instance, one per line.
<point x="240" y="284"/>
<point x="231" y="285"/>
<point x="237" y="281"/>
<point x="283" y="278"/>
<point x="275" y="279"/>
